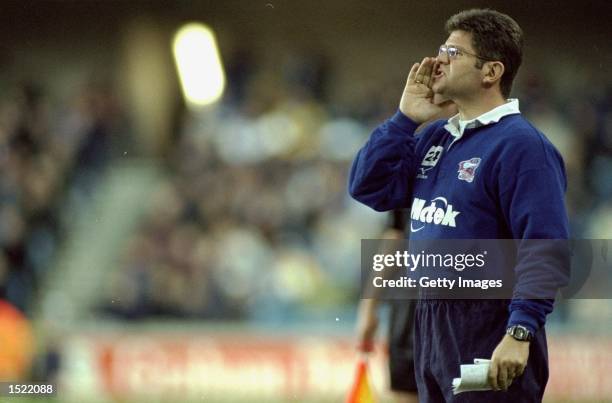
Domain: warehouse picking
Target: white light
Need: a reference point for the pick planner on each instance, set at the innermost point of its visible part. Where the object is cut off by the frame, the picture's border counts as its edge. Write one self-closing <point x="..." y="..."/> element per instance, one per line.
<point x="199" y="65"/>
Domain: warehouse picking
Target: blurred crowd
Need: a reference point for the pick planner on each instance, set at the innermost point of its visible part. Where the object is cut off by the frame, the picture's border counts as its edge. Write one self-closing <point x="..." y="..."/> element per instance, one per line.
<point x="253" y="220"/>
<point x="51" y="156"/>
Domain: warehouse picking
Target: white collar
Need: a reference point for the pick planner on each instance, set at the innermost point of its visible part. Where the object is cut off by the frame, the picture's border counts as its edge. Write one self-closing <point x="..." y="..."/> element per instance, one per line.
<point x="456" y="126"/>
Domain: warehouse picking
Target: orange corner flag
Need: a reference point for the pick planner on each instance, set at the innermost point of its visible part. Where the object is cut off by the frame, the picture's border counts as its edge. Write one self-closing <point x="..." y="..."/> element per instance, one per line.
<point x="361" y="391"/>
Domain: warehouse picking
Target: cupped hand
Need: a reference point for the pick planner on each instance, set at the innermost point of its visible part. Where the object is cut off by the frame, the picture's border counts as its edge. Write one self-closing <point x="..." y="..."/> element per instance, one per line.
<point x="417" y="100"/>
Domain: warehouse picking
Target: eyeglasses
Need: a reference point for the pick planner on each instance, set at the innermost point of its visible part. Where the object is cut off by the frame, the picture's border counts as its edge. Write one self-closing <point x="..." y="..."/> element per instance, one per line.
<point x="453" y="51"/>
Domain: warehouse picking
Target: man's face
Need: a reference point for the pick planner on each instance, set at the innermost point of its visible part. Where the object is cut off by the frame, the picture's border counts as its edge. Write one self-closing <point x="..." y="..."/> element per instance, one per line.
<point x="457" y="77"/>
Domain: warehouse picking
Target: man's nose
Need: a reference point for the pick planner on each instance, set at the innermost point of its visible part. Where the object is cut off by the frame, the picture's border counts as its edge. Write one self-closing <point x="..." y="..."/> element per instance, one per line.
<point x="442" y="58"/>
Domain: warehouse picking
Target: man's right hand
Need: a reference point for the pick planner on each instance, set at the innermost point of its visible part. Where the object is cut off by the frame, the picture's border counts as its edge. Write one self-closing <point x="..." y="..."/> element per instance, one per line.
<point x="418" y="98"/>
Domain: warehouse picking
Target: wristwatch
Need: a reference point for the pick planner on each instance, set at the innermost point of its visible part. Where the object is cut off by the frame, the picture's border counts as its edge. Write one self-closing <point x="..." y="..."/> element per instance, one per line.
<point x="520" y="333"/>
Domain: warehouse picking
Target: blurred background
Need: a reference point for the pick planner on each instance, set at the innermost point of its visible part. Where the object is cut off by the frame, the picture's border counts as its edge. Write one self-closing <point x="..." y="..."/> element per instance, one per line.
<point x="164" y="239"/>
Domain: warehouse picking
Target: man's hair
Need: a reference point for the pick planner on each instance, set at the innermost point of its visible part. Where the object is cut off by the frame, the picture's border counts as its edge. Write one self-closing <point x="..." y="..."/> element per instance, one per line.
<point x="495" y="36"/>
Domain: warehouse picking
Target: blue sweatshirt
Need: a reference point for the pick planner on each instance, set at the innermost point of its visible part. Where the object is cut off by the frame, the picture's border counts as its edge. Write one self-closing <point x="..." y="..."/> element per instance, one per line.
<point x="500" y="180"/>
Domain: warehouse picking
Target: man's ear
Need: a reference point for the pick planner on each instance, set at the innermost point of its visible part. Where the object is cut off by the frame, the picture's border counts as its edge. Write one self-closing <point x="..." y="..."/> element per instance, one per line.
<point x="493" y="72"/>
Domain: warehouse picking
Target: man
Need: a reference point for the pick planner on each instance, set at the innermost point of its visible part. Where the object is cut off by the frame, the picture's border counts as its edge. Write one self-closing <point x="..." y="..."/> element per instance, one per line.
<point x="494" y="176"/>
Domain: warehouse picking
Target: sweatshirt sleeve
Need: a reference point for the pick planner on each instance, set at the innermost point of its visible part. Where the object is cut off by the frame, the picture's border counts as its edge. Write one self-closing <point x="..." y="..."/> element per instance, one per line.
<point x="382" y="172"/>
<point x="532" y="200"/>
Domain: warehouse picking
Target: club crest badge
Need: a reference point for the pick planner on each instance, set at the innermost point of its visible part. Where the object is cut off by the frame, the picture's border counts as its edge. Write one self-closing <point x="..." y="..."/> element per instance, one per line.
<point x="467" y="169"/>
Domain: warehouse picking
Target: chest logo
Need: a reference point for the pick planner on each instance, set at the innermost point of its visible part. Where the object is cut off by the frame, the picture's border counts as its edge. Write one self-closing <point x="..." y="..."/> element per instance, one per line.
<point x="467" y="169"/>
<point x="438" y="212"/>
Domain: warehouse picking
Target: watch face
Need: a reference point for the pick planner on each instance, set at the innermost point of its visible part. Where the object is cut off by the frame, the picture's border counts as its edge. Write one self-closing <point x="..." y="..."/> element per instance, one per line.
<point x="519" y="333"/>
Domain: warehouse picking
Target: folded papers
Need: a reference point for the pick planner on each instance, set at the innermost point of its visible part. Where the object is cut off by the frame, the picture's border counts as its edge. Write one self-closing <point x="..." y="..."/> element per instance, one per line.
<point x="474" y="377"/>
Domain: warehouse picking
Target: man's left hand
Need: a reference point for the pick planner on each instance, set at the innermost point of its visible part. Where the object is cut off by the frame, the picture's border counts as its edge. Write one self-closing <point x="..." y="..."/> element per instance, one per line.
<point x="508" y="362"/>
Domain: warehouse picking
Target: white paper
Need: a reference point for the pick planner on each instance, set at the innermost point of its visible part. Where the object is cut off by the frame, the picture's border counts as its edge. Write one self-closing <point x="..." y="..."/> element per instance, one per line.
<point x="474" y="377"/>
